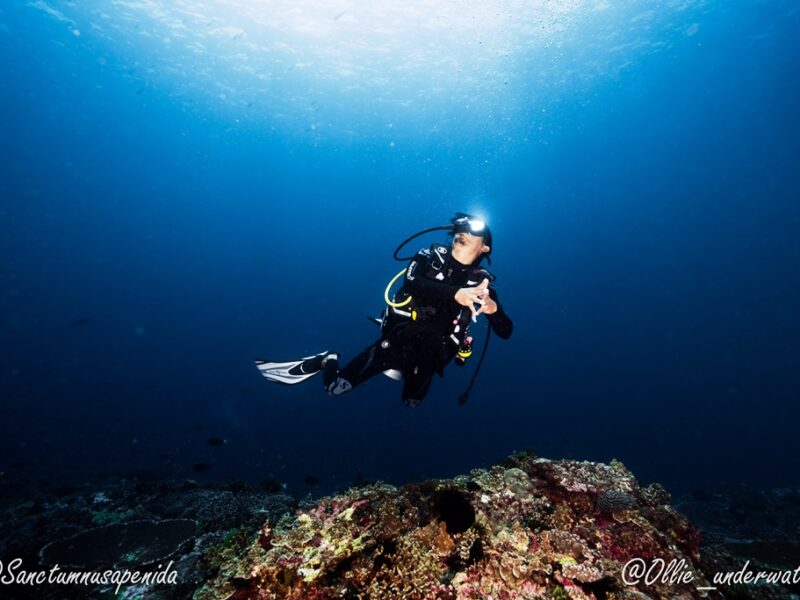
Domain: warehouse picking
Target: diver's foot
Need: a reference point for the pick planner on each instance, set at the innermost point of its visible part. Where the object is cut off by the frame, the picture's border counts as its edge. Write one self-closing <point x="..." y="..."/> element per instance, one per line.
<point x="313" y="364"/>
<point x="329" y="355"/>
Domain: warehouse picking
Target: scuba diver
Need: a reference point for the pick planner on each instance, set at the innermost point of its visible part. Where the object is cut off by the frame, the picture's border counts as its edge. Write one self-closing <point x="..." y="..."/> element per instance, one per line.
<point x="426" y="325"/>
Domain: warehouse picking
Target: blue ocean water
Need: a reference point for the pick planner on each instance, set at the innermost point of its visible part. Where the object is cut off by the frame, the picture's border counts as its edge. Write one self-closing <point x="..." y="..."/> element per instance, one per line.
<point x="188" y="186"/>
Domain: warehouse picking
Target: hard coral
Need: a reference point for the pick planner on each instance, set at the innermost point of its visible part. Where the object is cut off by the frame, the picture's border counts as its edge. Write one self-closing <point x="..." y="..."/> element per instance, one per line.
<point x="528" y="530"/>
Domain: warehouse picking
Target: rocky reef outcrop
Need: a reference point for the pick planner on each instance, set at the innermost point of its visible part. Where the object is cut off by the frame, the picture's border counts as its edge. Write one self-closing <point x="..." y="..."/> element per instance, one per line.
<point x="529" y="528"/>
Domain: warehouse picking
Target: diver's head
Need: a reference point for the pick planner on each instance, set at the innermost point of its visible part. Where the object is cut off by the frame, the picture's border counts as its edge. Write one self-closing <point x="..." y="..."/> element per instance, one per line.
<point x="472" y="239"/>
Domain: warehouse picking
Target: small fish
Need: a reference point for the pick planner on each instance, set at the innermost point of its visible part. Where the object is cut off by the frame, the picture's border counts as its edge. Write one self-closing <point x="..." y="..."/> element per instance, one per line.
<point x="612" y="500"/>
<point x="201" y="467"/>
<point x="215" y="441"/>
<point x="312" y="480"/>
<point x="80" y="322"/>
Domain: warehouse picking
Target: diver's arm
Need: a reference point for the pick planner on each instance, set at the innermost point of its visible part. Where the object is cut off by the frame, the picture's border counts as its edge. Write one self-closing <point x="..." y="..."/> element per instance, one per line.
<point x="499" y="320"/>
<point x="416" y="284"/>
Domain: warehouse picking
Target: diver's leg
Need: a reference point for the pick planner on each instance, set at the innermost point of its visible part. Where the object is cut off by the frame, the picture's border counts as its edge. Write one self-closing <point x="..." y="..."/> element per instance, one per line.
<point x="416" y="385"/>
<point x="371" y="361"/>
<point x="422" y="354"/>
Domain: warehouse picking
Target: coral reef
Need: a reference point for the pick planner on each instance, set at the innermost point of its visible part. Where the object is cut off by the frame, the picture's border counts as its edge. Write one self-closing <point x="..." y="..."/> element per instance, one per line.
<point x="527" y="529"/>
<point x="144" y="523"/>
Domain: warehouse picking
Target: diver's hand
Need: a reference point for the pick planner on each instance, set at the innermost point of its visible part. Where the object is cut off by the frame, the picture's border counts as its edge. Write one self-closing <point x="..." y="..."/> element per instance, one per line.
<point x="489" y="307"/>
<point x="470" y="296"/>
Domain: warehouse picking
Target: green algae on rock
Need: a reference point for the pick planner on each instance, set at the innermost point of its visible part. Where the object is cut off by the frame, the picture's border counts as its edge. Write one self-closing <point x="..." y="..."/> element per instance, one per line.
<point x="528" y="529"/>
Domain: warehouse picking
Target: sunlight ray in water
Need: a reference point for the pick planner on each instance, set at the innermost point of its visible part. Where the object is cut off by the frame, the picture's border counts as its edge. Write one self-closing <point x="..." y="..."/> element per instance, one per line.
<point x="284" y="60"/>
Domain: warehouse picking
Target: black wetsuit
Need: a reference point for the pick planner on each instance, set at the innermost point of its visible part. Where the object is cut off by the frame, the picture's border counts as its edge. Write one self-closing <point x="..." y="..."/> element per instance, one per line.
<point x="422" y="337"/>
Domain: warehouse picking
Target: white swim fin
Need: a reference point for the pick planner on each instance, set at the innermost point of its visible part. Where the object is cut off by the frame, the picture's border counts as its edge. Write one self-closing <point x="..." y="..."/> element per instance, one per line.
<point x="293" y="371"/>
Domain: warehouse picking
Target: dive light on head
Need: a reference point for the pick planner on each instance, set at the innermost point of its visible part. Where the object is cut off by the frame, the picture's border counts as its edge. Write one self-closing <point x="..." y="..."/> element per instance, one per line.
<point x="463" y="222"/>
